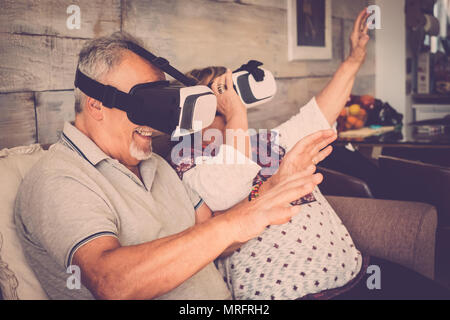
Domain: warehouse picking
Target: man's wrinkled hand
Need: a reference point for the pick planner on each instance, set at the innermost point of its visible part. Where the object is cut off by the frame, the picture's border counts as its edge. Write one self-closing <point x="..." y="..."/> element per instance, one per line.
<point x="249" y="219"/>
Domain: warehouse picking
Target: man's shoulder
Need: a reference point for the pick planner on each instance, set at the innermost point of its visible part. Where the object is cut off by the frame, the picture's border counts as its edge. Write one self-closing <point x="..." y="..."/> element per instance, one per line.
<point x="57" y="163"/>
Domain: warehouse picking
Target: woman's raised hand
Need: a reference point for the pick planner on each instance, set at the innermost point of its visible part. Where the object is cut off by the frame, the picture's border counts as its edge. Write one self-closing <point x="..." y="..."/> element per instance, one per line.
<point x="359" y="38"/>
<point x="228" y="102"/>
<point x="309" y="151"/>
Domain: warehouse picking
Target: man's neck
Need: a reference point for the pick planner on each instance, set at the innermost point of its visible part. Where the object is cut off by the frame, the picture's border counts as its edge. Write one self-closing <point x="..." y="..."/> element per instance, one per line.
<point x="136" y="171"/>
<point x="80" y="125"/>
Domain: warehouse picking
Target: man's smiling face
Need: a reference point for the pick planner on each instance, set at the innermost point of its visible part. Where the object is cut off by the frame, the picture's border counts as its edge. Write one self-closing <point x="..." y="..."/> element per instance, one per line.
<point x="129" y="143"/>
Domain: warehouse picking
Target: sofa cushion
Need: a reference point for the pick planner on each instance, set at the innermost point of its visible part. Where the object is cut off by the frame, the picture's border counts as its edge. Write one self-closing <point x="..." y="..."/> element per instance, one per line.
<point x="17" y="280"/>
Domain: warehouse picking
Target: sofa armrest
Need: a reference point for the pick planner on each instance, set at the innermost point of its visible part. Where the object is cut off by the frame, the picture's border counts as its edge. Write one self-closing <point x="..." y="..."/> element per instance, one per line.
<point x="398" y="231"/>
<point x="340" y="184"/>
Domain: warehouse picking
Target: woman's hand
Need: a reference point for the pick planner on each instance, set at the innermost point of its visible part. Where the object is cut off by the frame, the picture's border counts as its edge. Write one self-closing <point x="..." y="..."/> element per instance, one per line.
<point x="334" y="96"/>
<point x="359" y="38"/>
<point x="230" y="105"/>
<point x="228" y="102"/>
<point x="307" y="153"/>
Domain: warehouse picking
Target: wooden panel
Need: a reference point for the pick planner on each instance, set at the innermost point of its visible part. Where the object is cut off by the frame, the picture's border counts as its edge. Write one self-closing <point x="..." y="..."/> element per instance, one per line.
<point x="291" y="95"/>
<point x="364" y="85"/>
<point x="198" y="33"/>
<point x="280" y="4"/>
<point x="17" y="119"/>
<point x="52" y="110"/>
<point x="37" y="63"/>
<point x="368" y="68"/>
<point x="328" y="67"/>
<point x="315" y="85"/>
<point x="347" y="9"/>
<point x="49" y="17"/>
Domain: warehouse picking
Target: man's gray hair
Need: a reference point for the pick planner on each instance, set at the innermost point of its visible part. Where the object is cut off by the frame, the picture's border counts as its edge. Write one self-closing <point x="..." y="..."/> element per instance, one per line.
<point x="98" y="57"/>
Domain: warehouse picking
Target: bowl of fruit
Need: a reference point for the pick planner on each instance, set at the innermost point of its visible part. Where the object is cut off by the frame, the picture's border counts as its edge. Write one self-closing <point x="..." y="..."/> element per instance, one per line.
<point x="355" y="113"/>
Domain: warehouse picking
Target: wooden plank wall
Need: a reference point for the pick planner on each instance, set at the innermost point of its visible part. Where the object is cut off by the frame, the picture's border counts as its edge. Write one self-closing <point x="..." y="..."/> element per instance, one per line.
<point x="38" y="53"/>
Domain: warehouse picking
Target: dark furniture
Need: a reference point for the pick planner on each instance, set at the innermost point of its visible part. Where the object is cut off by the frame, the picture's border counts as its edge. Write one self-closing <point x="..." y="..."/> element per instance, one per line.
<point x="417" y="181"/>
<point x="407" y="144"/>
<point x="340" y="184"/>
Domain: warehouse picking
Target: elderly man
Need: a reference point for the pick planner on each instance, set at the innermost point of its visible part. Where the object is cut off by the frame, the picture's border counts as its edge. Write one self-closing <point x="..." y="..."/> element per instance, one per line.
<point x="102" y="201"/>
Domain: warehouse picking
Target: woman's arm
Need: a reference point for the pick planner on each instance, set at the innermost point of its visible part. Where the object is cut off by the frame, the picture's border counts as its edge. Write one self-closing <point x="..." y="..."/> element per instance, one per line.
<point x="231" y="107"/>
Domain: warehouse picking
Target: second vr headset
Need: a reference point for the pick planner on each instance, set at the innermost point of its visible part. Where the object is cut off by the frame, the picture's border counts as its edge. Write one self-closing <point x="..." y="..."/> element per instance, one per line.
<point x="253" y="84"/>
<point x="169" y="108"/>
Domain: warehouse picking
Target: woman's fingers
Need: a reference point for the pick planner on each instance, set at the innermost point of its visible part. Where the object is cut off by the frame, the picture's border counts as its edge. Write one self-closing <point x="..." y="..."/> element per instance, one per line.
<point x="229" y="79"/>
<point x="307" y="148"/>
<point x="308" y="142"/>
<point x="322" y="155"/>
<point x="359" y="19"/>
<point x="364" y="28"/>
<point x="323" y="143"/>
<point x="214" y="87"/>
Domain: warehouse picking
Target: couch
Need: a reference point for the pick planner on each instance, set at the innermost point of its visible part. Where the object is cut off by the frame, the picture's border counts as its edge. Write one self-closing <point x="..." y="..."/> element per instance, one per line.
<point x="431" y="184"/>
<point x="402" y="232"/>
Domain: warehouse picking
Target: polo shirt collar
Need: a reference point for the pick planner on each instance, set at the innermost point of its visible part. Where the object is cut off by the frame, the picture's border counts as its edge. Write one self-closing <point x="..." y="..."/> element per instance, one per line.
<point x="82" y="144"/>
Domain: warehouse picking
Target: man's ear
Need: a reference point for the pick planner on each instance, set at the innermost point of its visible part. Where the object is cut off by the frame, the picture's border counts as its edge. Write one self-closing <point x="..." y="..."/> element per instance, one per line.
<point x="94" y="108"/>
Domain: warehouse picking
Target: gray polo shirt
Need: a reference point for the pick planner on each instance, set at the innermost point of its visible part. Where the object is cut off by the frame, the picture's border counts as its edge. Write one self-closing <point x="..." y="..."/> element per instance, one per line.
<point x="76" y="193"/>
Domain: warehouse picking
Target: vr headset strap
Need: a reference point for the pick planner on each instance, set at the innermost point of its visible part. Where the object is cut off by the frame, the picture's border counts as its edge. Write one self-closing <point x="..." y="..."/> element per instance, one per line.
<point x="252" y="68"/>
<point x="161" y="63"/>
<point x="109" y="96"/>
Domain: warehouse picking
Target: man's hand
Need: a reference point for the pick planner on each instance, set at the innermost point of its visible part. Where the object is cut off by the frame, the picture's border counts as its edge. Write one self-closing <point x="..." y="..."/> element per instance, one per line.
<point x="359" y="38"/>
<point x="308" y="151"/>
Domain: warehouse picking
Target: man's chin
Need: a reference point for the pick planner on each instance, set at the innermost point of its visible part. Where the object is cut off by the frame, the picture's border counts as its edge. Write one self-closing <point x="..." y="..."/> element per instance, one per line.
<point x="139" y="153"/>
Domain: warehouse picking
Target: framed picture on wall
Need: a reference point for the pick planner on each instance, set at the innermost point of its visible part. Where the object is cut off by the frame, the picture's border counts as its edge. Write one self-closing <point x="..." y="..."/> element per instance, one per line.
<point x="309" y="30"/>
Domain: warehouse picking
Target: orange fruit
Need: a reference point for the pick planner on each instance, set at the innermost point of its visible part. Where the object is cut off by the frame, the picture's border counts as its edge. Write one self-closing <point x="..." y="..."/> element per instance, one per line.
<point x="352" y="120"/>
<point x="359" y="124"/>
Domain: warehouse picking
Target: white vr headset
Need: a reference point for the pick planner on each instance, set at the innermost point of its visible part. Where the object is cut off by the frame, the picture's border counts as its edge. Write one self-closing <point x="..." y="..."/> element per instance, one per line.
<point x="254" y="85"/>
